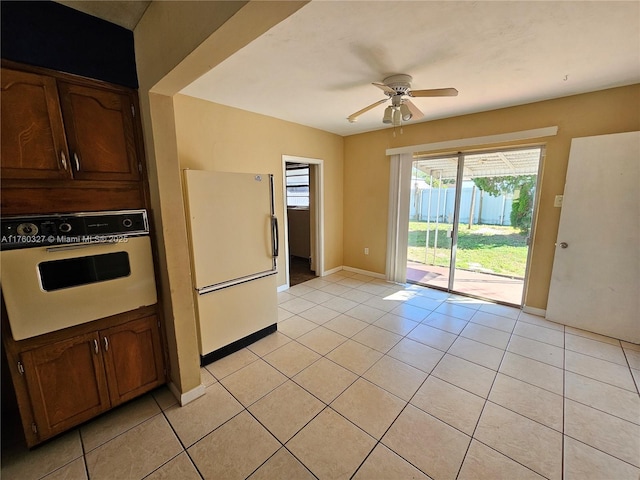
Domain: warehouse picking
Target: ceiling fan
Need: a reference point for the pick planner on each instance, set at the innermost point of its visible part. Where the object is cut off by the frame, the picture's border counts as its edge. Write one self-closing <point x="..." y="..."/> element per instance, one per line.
<point x="397" y="88"/>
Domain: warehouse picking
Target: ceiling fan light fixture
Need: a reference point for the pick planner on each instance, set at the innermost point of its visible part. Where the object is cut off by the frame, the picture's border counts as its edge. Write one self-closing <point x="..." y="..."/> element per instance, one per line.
<point x="396" y="117"/>
<point x="405" y="112"/>
<point x="397" y="88"/>
<point x="388" y="113"/>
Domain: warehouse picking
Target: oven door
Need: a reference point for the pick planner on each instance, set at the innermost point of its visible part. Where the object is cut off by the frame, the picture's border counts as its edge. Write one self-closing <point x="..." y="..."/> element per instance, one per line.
<point x="51" y="288"/>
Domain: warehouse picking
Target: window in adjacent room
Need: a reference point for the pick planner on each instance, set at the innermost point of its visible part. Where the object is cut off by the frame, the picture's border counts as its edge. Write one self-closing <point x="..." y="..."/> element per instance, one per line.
<point x="297" y="185"/>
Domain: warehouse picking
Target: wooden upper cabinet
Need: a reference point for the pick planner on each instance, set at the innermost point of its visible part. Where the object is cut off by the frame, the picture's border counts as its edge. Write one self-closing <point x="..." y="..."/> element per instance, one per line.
<point x="59" y="128"/>
<point x="100" y="132"/>
<point x="32" y="137"/>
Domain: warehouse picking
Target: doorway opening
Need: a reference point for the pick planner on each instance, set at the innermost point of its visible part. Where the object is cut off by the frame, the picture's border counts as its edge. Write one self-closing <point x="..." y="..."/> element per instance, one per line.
<point x="470" y="222"/>
<point x="303" y="225"/>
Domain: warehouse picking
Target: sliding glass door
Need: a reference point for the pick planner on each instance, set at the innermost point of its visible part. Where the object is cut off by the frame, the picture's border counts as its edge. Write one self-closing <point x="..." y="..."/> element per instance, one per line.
<point x="431" y="210"/>
<point x="470" y="222"/>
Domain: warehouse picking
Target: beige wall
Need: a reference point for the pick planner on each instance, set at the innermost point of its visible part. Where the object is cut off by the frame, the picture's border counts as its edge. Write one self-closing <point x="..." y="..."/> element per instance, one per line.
<point x="214" y="137"/>
<point x="366" y="169"/>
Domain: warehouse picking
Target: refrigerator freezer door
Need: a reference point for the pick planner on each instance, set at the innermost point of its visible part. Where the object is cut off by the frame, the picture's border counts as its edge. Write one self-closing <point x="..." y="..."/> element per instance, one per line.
<point x="231" y="222"/>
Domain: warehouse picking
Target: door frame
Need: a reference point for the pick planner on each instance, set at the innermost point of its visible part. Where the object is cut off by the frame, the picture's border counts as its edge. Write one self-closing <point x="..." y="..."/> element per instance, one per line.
<point x="317" y="213"/>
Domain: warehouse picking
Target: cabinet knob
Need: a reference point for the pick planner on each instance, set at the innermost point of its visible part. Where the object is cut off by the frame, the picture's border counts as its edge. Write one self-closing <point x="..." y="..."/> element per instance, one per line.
<point x="95" y="346"/>
<point x="106" y="344"/>
<point x="63" y="159"/>
<point x="77" y="160"/>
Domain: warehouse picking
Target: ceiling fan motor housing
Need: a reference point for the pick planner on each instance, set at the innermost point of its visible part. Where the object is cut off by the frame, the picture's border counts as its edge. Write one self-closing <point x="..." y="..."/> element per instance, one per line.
<point x="399" y="83"/>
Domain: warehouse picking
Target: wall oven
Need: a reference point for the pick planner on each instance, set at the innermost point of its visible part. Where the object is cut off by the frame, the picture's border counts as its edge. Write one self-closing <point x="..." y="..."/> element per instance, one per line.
<point x="58" y="271"/>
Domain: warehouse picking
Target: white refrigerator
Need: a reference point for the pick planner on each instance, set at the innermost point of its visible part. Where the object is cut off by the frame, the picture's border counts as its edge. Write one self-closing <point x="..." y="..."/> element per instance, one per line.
<point x="233" y="234"/>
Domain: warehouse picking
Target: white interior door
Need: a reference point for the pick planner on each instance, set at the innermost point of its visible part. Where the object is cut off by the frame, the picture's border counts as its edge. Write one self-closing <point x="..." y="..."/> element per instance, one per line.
<point x="595" y="282"/>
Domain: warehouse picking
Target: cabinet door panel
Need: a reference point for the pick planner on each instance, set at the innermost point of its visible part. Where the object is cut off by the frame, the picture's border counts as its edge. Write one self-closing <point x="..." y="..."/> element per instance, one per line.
<point x="66" y="383"/>
<point x="133" y="358"/>
<point x="33" y="141"/>
<point x="100" y="132"/>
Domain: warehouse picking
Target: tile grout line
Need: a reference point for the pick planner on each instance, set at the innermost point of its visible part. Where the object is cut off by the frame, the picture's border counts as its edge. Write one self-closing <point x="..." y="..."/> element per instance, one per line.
<point x="637" y="423"/>
<point x="405" y="336"/>
<point x="408" y="402"/>
<point x="624" y="352"/>
<point x="429" y="374"/>
<point x="360" y="376"/>
<point x="246" y="409"/>
<point x="443" y="301"/>
<point x="564" y="399"/>
<point x="352" y="288"/>
<point x="290" y="378"/>
<point x="458" y="335"/>
<point x="485" y="404"/>
<point x="84" y="454"/>
<point x="184" y="448"/>
<point x="635" y="390"/>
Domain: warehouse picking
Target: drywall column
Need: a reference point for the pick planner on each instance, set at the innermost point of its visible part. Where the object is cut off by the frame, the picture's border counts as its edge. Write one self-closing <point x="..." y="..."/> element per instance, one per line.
<point x="175" y="43"/>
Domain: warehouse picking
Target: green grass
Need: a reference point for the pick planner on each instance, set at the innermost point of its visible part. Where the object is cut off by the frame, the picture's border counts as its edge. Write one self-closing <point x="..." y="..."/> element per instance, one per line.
<point x="498" y="249"/>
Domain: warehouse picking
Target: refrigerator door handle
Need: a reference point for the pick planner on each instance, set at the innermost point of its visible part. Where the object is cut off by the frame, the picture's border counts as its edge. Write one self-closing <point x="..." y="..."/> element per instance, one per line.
<point x="275" y="241"/>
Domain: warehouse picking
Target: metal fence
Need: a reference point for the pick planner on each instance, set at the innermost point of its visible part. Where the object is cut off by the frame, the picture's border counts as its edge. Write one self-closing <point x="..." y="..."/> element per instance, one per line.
<point x="436" y="204"/>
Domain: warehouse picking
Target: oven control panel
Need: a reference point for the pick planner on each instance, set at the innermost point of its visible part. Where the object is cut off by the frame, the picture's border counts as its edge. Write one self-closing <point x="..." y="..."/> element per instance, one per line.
<point x="65" y="229"/>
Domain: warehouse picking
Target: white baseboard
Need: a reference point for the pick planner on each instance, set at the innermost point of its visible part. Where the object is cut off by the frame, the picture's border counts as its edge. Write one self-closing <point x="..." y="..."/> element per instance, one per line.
<point x="534" y="311"/>
<point x="333" y="270"/>
<point x="282" y="288"/>
<point x="364" y="272"/>
<point x="189" y="396"/>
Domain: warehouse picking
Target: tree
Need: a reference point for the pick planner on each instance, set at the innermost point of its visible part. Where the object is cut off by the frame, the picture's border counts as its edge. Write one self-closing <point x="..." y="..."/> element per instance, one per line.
<point x="522" y="204"/>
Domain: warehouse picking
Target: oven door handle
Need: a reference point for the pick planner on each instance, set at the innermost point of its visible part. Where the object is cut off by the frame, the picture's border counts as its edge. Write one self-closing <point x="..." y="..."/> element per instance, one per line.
<point x="63" y="248"/>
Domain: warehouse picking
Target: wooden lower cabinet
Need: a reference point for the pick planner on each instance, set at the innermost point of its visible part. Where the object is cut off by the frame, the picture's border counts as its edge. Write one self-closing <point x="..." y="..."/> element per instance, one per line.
<point x="132" y="358"/>
<point x="66" y="383"/>
<point x="72" y="380"/>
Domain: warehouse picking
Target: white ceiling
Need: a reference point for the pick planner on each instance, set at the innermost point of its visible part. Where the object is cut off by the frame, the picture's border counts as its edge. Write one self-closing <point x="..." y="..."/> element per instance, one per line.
<point x="127" y="14"/>
<point x="316" y="67"/>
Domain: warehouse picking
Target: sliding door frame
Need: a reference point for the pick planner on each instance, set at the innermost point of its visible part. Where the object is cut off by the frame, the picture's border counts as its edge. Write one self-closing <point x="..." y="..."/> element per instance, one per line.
<point x="400" y="184"/>
<point x="456" y="217"/>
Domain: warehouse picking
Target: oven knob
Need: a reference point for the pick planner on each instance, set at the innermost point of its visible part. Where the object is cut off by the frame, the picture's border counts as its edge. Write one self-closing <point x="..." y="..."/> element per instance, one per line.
<point x="64" y="227"/>
<point x="27" y="229"/>
<point x="127" y="222"/>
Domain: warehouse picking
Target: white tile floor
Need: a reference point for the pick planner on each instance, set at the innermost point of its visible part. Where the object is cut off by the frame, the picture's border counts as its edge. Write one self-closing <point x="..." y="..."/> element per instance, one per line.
<point x="369" y="380"/>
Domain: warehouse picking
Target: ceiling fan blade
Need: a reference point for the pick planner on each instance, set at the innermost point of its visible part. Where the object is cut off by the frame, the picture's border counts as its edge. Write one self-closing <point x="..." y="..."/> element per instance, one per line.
<point x="434" y="92"/>
<point x="385" y="88"/>
<point x="416" y="114"/>
<point x="354" y="116"/>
